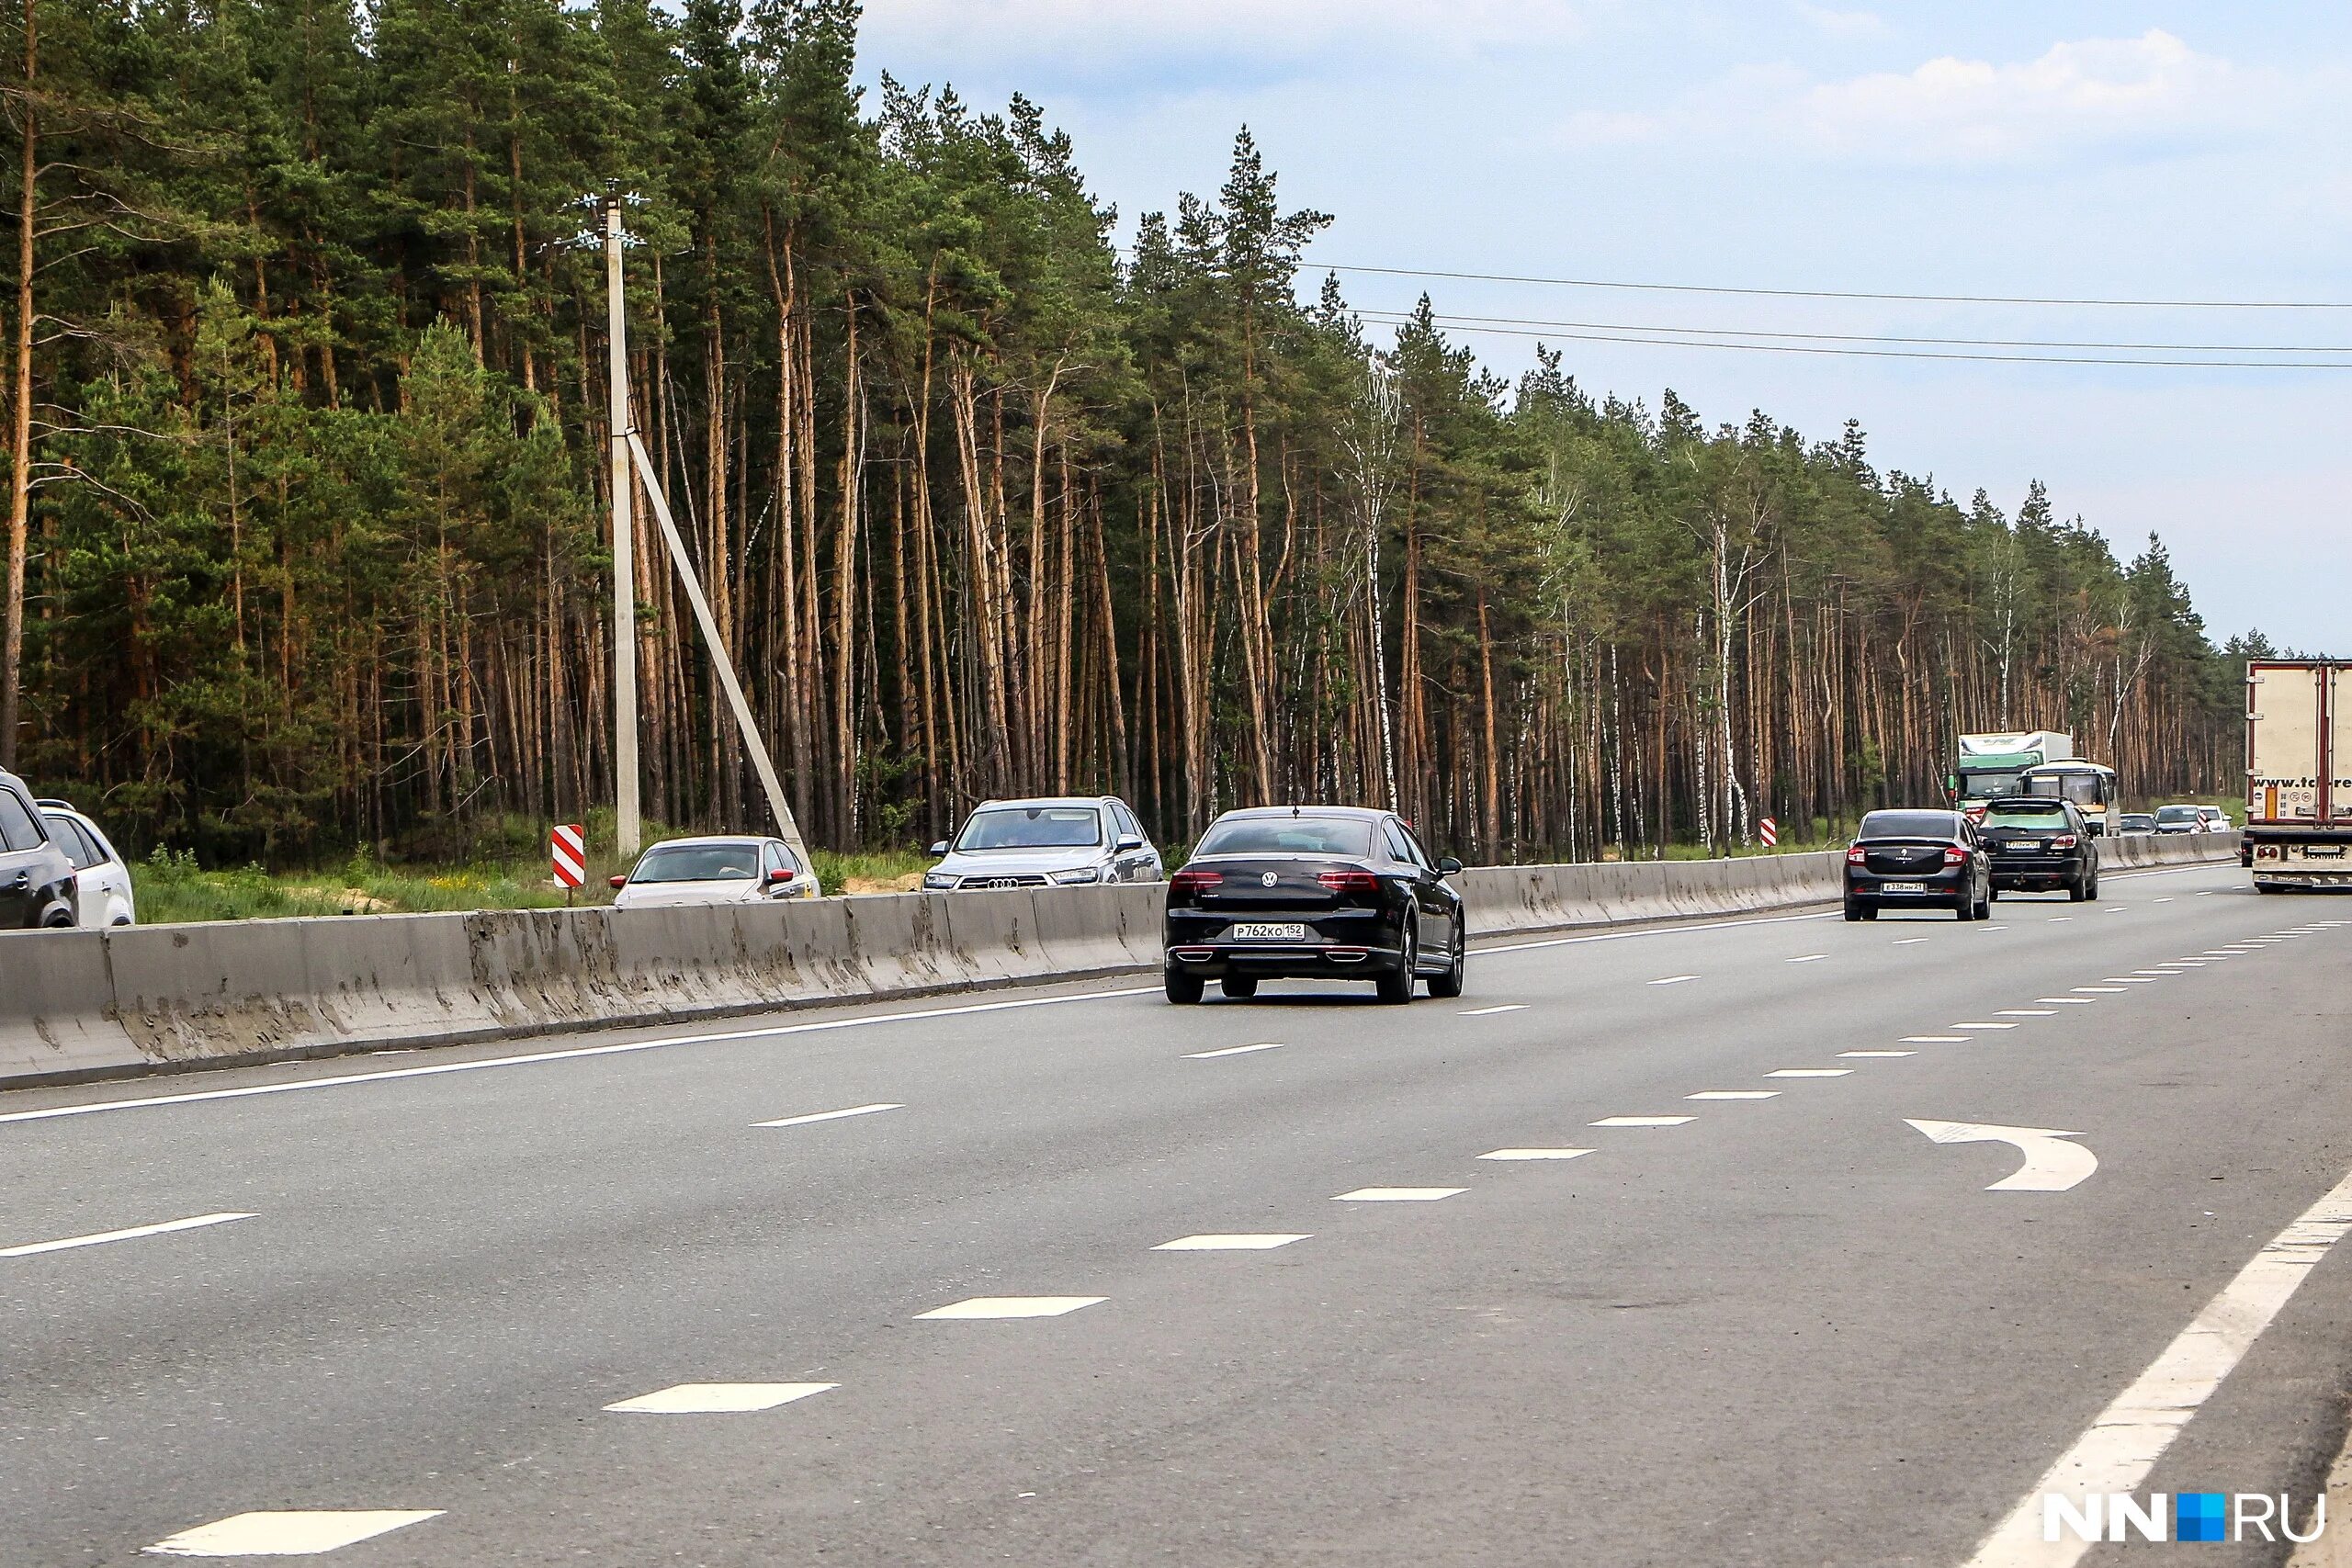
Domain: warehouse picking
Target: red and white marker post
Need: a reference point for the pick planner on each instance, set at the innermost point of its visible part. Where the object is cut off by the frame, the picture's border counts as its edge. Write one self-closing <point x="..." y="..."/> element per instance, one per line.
<point x="568" y="852"/>
<point x="1771" y="830"/>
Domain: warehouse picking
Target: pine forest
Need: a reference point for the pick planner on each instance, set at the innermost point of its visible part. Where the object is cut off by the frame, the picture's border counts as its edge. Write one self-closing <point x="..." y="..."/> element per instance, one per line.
<point x="308" y="536"/>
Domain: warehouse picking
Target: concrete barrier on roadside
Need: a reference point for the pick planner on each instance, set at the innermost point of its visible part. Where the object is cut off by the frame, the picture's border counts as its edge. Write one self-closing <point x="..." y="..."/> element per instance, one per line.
<point x="90" y="1004"/>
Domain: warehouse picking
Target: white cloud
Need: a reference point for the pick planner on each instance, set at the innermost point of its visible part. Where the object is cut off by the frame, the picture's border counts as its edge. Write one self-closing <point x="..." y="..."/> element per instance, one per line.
<point x="1098" y="34"/>
<point x="1842" y="24"/>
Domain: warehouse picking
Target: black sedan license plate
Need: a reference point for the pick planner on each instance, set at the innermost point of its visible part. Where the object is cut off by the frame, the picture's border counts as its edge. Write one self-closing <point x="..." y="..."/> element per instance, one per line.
<point x="1902" y="888"/>
<point x="1267" y="930"/>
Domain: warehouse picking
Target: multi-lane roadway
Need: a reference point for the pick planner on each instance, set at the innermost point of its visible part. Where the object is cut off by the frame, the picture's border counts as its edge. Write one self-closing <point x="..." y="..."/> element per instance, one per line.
<point x="1749" y="1242"/>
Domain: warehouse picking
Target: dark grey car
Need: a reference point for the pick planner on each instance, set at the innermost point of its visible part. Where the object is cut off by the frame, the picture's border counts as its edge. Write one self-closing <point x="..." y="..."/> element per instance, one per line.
<point x="35" y="877"/>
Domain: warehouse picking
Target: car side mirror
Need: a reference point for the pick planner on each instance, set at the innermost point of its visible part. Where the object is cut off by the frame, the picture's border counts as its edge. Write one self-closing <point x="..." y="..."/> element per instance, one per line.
<point x="939" y="848"/>
<point x="1128" y="844"/>
<point x="620" y="882"/>
<point x="777" y="874"/>
<point x="1448" y="865"/>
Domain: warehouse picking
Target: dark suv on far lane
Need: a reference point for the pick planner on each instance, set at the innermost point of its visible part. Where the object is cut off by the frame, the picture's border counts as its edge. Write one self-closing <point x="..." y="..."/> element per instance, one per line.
<point x="36" y="877"/>
<point x="2040" y="845"/>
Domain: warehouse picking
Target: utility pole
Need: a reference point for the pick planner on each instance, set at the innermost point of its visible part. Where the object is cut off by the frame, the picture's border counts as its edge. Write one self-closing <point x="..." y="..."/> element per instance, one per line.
<point x="625" y="769"/>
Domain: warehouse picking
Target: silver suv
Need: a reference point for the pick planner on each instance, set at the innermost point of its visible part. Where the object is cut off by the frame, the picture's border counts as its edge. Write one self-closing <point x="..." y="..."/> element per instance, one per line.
<point x="1054" y="841"/>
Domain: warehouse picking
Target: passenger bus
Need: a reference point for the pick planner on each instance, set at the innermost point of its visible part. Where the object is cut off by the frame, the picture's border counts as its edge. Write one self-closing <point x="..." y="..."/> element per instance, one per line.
<point x="2092" y="786"/>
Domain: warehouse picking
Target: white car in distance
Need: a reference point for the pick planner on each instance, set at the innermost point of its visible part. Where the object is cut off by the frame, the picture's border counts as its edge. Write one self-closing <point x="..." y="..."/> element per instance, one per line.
<point x="719" y="869"/>
<point x="1055" y="842"/>
<point x="101" y="879"/>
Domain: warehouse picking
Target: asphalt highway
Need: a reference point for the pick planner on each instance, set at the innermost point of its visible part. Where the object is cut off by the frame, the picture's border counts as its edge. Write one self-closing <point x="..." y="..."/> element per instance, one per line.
<point x="1786" y="1328"/>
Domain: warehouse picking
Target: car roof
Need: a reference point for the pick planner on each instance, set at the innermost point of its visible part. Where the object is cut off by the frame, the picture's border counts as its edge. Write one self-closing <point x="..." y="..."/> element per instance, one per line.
<point x="1047" y="800"/>
<point x="713" y="839"/>
<point x="1365" y="813"/>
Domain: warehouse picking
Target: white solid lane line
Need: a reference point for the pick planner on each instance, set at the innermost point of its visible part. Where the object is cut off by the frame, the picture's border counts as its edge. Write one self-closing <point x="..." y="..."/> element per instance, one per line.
<point x="1265" y="1242"/>
<point x="1809" y="958"/>
<point x="1642" y="1121"/>
<point x="1878" y="1053"/>
<point x="718" y="1398"/>
<point x="828" y="1115"/>
<point x="291" y="1533"/>
<point x="1735" y="1094"/>
<point x="1674" y="979"/>
<point x="1400" y="1194"/>
<point x="1489" y="1012"/>
<point x="1534" y="1154"/>
<point x="198" y="1223"/>
<point x="622" y="1048"/>
<point x="1233" y="1050"/>
<point x="2124" y="1443"/>
<point x="1810" y="1073"/>
<point x="992" y="1308"/>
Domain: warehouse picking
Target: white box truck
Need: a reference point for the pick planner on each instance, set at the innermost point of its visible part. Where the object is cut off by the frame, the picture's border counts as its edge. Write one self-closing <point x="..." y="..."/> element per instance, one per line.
<point x="2298" y="775"/>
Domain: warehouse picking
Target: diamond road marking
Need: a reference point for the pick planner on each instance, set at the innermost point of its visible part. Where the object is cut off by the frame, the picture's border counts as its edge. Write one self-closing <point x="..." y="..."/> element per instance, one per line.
<point x="1809" y="1072"/>
<point x="1400" y="1194"/>
<point x="987" y="1307"/>
<point x="1643" y="1121"/>
<point x="290" y="1533"/>
<point x="718" y="1398"/>
<point x="1534" y="1154"/>
<point x="1878" y="1053"/>
<point x="1227" y="1243"/>
<point x="1735" y="1094"/>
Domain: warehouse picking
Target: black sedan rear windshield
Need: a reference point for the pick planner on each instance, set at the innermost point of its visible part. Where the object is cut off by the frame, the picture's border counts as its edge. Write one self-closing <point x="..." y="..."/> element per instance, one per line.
<point x="2025" y="814"/>
<point x="1288" y="835"/>
<point x="1910" y="825"/>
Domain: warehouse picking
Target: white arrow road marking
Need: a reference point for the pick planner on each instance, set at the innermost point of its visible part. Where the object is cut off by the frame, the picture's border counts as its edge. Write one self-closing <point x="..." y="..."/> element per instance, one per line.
<point x="168" y="1226"/>
<point x="2131" y="1434"/>
<point x="2051" y="1163"/>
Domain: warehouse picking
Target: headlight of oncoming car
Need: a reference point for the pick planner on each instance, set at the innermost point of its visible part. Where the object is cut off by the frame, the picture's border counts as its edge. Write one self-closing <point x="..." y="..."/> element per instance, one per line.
<point x="1071" y="878"/>
<point x="938" y="881"/>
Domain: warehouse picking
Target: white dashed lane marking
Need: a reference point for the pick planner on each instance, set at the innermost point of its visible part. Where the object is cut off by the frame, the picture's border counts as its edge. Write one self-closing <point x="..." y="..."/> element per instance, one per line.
<point x="1909" y="941"/>
<point x="1674" y="979"/>
<point x="303" y="1533"/>
<point x="1489" y="1012"/>
<point x="1232" y="1050"/>
<point x="1735" y="1094"/>
<point x="827" y="1116"/>
<point x="1262" y="1243"/>
<point x="1983" y="1023"/>
<point x="1809" y="958"/>
<point x="718" y="1398"/>
<point x="987" y="1308"/>
<point x="1643" y="1121"/>
<point x="198" y="1223"/>
<point x="1878" y="1053"/>
<point x="1400" y="1194"/>
<point x="2028" y="1012"/>
<point x="2102" y="990"/>
<point x="1534" y="1154"/>
<point x="1810" y="1073"/>
<point x="1935" y="1040"/>
<point x="2069" y="1002"/>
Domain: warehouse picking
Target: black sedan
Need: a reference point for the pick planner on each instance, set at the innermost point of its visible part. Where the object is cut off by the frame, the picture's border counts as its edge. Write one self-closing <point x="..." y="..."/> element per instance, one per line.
<point x="1917" y="860"/>
<point x="1314" y="892"/>
<point x="2039" y="844"/>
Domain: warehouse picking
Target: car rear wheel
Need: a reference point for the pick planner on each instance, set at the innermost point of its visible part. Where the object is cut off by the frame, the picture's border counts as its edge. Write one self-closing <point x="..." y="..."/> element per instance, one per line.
<point x="1183" y="988"/>
<point x="1983" y="909"/>
<point x="1855" y="911"/>
<point x="1396" y="986"/>
<point x="1239" y="986"/>
<point x="1450" y="983"/>
<point x="2078" y="889"/>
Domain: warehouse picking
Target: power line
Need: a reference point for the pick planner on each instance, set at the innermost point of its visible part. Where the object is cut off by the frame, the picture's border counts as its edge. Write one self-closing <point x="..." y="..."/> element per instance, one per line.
<point x="1456" y="318"/>
<point x="1398" y="318"/>
<point x="1843" y="293"/>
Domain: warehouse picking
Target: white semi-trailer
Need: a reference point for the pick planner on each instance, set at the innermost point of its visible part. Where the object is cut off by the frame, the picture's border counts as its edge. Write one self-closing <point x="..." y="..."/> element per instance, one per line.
<point x="2298" y="773"/>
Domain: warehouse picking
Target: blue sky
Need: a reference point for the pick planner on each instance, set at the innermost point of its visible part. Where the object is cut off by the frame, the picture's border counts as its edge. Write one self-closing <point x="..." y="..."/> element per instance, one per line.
<point x="2168" y="152"/>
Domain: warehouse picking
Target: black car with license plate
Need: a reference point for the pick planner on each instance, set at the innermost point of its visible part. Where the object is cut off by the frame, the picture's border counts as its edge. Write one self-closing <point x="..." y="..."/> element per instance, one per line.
<point x="36" y="879"/>
<point x="1917" y="860"/>
<point x="2039" y="844"/>
<point x="1314" y="892"/>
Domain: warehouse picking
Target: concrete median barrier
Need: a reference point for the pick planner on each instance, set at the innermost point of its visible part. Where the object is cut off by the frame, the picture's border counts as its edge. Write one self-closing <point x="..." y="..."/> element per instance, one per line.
<point x="89" y="1004"/>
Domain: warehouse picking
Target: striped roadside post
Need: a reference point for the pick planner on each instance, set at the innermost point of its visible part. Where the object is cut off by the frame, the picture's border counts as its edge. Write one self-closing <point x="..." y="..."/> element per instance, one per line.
<point x="1771" y="831"/>
<point x="567" y="851"/>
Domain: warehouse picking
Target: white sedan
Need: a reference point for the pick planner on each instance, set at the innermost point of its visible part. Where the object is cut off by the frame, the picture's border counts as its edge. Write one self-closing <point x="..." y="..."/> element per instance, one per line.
<point x="101" y="880"/>
<point x="716" y="870"/>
